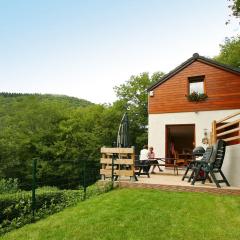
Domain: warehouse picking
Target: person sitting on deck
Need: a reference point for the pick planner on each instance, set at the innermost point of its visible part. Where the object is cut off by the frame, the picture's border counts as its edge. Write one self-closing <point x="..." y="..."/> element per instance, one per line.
<point x="144" y="158"/>
<point x="151" y="157"/>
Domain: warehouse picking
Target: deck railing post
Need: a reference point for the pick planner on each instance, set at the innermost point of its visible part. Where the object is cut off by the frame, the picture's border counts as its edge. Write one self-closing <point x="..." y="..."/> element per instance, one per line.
<point x="214" y="132"/>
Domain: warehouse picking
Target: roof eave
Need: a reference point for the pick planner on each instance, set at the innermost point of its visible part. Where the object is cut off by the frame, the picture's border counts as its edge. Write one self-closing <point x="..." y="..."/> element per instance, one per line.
<point x="172" y="73"/>
<point x="195" y="57"/>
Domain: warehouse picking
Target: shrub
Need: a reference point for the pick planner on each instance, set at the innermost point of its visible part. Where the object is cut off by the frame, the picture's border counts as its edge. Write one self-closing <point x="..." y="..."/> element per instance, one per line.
<point x="98" y="188"/>
<point x="9" y="185"/>
<point x="47" y="189"/>
<point x="16" y="209"/>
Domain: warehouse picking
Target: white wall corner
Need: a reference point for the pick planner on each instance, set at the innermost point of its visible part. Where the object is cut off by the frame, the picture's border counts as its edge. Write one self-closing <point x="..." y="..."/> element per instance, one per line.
<point x="231" y="165"/>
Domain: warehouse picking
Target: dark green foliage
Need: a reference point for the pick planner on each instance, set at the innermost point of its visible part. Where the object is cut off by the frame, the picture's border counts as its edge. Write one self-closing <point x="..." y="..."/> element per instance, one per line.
<point x="15" y="209"/>
<point x="58" y="133"/>
<point x="9" y="185"/>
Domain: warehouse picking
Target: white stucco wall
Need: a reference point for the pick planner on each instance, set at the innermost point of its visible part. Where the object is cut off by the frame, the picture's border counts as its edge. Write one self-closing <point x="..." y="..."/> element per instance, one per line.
<point x="231" y="165"/>
<point x="156" y="135"/>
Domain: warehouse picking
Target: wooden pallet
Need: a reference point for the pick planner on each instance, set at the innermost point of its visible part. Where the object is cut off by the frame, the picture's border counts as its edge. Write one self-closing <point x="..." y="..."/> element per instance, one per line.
<point x="120" y="159"/>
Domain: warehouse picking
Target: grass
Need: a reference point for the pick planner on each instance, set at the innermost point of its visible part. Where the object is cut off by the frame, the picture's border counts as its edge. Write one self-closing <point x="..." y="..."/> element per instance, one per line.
<point x="141" y="214"/>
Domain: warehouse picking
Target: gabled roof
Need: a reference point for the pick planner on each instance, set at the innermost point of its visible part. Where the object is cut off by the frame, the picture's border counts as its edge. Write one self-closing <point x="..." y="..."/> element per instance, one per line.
<point x="195" y="57"/>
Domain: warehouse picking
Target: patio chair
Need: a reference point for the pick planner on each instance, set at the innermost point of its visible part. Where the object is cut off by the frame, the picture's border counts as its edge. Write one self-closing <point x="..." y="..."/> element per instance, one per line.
<point x="197" y="152"/>
<point x="197" y="172"/>
<point x="214" y="166"/>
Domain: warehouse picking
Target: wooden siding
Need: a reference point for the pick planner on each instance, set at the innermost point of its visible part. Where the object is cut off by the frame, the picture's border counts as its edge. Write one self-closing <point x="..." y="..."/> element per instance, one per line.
<point x="222" y="88"/>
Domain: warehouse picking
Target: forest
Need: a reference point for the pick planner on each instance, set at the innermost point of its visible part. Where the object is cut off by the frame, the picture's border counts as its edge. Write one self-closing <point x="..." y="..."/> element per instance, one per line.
<point x="61" y="132"/>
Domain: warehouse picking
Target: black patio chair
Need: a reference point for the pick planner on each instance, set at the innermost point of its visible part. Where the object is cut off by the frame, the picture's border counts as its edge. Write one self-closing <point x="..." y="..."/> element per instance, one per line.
<point x="213" y="167"/>
<point x="197" y="173"/>
<point x="197" y="152"/>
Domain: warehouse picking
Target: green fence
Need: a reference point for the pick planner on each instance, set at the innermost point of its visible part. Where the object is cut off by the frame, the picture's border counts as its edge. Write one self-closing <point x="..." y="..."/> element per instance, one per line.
<point x="88" y="172"/>
<point x="45" y="195"/>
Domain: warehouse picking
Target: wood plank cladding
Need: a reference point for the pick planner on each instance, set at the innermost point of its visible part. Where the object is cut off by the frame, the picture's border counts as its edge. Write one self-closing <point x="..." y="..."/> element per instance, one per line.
<point x="221" y="86"/>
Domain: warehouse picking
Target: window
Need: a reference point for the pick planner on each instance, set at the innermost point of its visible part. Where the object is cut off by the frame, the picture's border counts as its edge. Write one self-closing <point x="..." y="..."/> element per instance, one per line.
<point x="196" y="84"/>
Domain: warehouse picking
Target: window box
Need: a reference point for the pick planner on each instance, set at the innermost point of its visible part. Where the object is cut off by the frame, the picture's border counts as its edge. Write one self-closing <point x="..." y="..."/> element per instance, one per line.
<point x="196" y="97"/>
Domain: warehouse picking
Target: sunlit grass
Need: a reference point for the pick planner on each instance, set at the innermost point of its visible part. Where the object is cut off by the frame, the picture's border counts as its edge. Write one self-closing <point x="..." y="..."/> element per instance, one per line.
<point x="141" y="214"/>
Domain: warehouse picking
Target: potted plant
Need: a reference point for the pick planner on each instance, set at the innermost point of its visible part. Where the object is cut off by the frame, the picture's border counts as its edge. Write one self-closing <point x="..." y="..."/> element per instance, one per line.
<point x="196" y="97"/>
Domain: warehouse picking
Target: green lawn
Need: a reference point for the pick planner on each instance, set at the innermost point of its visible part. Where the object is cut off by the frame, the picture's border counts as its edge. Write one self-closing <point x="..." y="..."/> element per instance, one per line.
<point x="141" y="214"/>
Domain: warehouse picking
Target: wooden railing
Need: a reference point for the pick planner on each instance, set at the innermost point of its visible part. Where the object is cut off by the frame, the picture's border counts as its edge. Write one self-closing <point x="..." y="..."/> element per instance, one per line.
<point x="227" y="129"/>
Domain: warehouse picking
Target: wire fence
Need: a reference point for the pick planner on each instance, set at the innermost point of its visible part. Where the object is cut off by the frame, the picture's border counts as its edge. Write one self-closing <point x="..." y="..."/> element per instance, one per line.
<point x="46" y="193"/>
<point x="84" y="174"/>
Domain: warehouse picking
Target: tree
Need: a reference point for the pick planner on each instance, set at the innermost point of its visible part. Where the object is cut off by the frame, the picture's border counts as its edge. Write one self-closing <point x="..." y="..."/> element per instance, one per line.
<point x="58" y="131"/>
<point x="230" y="52"/>
<point x="235" y="8"/>
<point x="133" y="98"/>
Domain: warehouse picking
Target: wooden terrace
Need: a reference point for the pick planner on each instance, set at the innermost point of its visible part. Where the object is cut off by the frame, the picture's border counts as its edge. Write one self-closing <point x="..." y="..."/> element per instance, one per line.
<point x="167" y="181"/>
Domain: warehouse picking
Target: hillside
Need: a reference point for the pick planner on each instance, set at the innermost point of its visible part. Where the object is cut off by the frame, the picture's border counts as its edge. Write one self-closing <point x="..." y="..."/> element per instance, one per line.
<point x="70" y="101"/>
<point x="53" y="128"/>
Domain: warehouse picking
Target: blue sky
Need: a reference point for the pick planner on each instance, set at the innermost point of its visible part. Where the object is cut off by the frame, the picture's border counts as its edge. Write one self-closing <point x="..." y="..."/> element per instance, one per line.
<point x="85" y="48"/>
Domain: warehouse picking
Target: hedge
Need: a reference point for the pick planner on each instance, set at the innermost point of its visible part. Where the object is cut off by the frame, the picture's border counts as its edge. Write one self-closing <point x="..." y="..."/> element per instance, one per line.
<point x="15" y="209"/>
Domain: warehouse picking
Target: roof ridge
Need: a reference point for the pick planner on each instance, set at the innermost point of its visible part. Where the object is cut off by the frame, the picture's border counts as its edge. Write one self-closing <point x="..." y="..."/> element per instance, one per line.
<point x="237" y="69"/>
<point x="194" y="57"/>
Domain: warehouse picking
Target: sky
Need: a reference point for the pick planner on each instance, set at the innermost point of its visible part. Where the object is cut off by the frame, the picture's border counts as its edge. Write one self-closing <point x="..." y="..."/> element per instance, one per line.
<point x="83" y="48"/>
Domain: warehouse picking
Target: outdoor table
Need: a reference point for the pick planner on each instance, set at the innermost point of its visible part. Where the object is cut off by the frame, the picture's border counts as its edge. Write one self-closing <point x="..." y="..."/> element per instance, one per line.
<point x="141" y="165"/>
<point x="164" y="162"/>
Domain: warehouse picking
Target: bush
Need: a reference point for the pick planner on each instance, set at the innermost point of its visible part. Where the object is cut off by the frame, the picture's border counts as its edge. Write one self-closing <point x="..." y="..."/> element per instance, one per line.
<point x="98" y="188"/>
<point x="47" y="189"/>
<point x="9" y="185"/>
<point x="16" y="209"/>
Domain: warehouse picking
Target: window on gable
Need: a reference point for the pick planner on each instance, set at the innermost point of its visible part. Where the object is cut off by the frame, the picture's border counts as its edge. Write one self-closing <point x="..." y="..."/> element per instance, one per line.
<point x="196" y="84"/>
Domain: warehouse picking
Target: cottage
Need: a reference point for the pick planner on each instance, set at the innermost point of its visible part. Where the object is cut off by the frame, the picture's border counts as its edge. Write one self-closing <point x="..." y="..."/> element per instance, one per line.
<point x="183" y="104"/>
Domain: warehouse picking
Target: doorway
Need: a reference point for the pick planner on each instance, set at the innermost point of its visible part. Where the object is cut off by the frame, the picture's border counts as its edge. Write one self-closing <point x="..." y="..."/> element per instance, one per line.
<point x="180" y="140"/>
